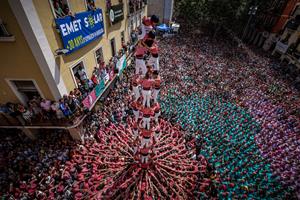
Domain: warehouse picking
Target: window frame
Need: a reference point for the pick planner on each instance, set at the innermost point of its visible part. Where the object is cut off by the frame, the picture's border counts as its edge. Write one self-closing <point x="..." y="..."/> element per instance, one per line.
<point x="10" y="37"/>
<point x="115" y="48"/>
<point x="13" y="87"/>
<point x="122" y="34"/>
<point x="53" y="10"/>
<point x="86" y="7"/>
<point x="74" y="65"/>
<point x="95" y="54"/>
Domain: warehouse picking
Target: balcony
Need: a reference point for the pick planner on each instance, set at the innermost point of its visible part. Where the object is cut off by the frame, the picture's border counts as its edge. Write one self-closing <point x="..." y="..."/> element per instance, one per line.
<point x="16" y="120"/>
<point x="8" y="119"/>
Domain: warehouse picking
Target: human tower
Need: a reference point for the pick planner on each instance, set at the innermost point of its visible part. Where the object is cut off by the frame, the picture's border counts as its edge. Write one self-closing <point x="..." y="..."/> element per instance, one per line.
<point x="144" y="158"/>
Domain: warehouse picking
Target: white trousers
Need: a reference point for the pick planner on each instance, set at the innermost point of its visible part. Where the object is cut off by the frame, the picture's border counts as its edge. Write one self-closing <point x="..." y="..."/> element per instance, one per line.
<point x="156" y="115"/>
<point x="136" y="92"/>
<point x="135" y="150"/>
<point x="144" y="159"/>
<point x="156" y="136"/>
<point x="146" y="97"/>
<point x="140" y="66"/>
<point x="136" y="114"/>
<point x="145" y="142"/>
<point x="135" y="134"/>
<point x="146" y="122"/>
<point x="154" y="62"/>
<point x="155" y="95"/>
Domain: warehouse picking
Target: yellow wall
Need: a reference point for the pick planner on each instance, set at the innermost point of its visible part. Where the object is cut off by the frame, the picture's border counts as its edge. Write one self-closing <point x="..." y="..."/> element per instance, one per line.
<point x="85" y="54"/>
<point x="17" y="61"/>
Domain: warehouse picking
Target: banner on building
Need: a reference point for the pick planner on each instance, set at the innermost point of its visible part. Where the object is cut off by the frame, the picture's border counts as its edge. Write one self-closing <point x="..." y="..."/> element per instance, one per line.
<point x="116" y="13"/>
<point x="90" y="100"/>
<point x="80" y="30"/>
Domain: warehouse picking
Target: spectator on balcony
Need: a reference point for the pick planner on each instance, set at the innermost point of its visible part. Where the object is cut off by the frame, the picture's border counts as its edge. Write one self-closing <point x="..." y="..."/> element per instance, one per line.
<point x="37" y="111"/>
<point x="27" y="114"/>
<point x="65" y="108"/>
<point x="56" y="109"/>
<point x="46" y="106"/>
<point x="77" y="93"/>
<point x="86" y="87"/>
<point x="91" y="85"/>
<point x="58" y="9"/>
<point x="82" y="74"/>
<point x="91" y="5"/>
<point x="95" y="79"/>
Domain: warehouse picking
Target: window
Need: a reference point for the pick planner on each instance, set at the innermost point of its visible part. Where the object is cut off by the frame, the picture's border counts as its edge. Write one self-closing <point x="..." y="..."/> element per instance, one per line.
<point x="122" y="37"/>
<point x="131" y="24"/>
<point x="3" y="31"/>
<point x="5" y="36"/>
<point x="26" y="89"/>
<point x="60" y="8"/>
<point x="79" y="73"/>
<point x="287" y="37"/>
<point x="113" y="47"/>
<point x="99" y="55"/>
<point x="296" y="11"/>
<point x="90" y="5"/>
<point x="131" y="6"/>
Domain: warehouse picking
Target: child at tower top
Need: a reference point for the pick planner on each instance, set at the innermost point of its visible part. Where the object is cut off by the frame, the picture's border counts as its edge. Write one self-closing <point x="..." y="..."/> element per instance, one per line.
<point x="148" y="23"/>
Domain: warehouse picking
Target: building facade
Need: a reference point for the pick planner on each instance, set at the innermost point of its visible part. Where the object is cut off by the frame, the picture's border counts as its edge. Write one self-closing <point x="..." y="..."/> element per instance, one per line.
<point x="35" y="59"/>
<point x="162" y="8"/>
<point x="261" y="26"/>
<point x="279" y="26"/>
<point x="288" y="45"/>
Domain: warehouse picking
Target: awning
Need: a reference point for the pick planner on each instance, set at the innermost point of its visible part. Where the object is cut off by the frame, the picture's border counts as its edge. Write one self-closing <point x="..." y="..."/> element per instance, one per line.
<point x="163" y="27"/>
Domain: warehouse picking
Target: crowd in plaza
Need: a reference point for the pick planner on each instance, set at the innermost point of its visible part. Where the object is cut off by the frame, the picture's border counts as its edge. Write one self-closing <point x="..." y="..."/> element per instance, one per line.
<point x="223" y="124"/>
<point x="246" y="113"/>
<point x="87" y="170"/>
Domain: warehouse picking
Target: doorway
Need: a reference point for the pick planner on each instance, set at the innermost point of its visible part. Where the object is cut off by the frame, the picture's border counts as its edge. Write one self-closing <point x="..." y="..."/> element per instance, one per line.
<point x="25" y="90"/>
<point x="113" y="47"/>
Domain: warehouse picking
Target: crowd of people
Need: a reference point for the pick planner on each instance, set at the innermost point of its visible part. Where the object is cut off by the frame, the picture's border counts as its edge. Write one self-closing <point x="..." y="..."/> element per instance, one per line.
<point x="117" y="149"/>
<point x="204" y="120"/>
<point x="247" y="115"/>
<point x="28" y="167"/>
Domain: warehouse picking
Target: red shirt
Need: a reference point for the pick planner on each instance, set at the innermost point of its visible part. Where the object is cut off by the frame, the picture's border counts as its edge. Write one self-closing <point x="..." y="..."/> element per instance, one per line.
<point x="146" y="83"/>
<point x="140" y="51"/>
<point x="156" y="107"/>
<point x="156" y="82"/>
<point x="146" y="133"/>
<point x="145" y="151"/>
<point x="135" y="126"/>
<point x="135" y="81"/>
<point x="135" y="105"/>
<point x="154" y="49"/>
<point x="147" y="112"/>
<point x="147" y="21"/>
